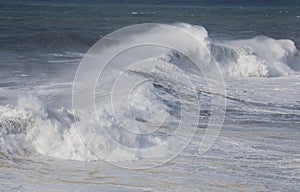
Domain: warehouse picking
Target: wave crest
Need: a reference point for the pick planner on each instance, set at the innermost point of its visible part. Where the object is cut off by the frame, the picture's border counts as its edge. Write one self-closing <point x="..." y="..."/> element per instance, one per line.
<point x="256" y="57"/>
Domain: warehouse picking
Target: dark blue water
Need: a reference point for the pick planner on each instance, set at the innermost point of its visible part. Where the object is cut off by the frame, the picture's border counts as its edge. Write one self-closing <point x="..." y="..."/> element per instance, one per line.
<point x="75" y="25"/>
<point x="32" y="33"/>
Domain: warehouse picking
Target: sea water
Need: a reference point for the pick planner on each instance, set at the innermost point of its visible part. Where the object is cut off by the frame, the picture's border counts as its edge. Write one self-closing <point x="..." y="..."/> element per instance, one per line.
<point x="47" y="145"/>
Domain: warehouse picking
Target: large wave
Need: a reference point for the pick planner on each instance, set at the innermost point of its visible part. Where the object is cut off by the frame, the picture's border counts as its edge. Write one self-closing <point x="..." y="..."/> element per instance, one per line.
<point x="255" y="57"/>
<point x="31" y="126"/>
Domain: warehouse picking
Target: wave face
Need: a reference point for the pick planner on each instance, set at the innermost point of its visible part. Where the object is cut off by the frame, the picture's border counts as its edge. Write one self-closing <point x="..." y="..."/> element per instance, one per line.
<point x="31" y="126"/>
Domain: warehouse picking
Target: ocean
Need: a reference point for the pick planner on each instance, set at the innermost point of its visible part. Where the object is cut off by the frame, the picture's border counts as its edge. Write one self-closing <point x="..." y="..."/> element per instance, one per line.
<point x="184" y="95"/>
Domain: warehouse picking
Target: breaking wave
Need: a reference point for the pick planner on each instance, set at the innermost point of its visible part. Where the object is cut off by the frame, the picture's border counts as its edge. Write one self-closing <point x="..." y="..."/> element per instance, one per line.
<point x="31" y="126"/>
<point x="256" y="57"/>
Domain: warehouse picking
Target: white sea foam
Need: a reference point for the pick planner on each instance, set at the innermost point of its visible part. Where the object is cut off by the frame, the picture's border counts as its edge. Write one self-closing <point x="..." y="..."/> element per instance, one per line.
<point x="31" y="126"/>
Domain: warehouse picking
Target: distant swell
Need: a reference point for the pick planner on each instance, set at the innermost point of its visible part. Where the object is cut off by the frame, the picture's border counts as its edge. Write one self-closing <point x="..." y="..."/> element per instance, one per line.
<point x="53" y="41"/>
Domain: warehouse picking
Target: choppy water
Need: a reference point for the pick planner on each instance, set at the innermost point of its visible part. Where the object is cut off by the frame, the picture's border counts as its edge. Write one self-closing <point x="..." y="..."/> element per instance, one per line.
<point x="255" y="45"/>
